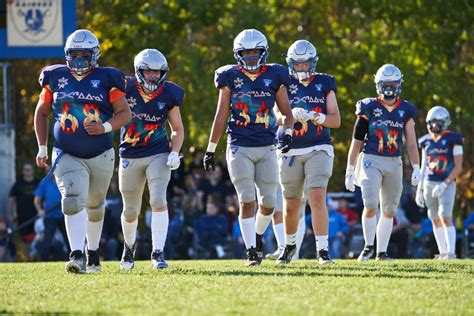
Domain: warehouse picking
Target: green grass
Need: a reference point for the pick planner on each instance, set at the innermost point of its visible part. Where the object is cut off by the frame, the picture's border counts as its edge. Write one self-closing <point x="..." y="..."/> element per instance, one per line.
<point x="226" y="287"/>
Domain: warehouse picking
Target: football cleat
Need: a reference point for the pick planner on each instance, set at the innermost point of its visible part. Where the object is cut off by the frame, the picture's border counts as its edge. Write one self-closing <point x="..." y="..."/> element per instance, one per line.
<point x="76" y="262"/>
<point x="128" y="257"/>
<point x="287" y="254"/>
<point x="274" y="255"/>
<point x="93" y="261"/>
<point x="252" y="257"/>
<point x="449" y="256"/>
<point x="259" y="247"/>
<point x="323" y="257"/>
<point x="366" y="254"/>
<point x="383" y="256"/>
<point x="157" y="260"/>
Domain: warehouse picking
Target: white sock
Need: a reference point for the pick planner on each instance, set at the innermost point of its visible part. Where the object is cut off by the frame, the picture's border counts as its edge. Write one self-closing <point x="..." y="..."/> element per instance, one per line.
<point x="384" y="230"/>
<point x="440" y="239"/>
<point x="369" y="226"/>
<point x="262" y="222"/>
<point x="129" y="230"/>
<point x="159" y="229"/>
<point x="321" y="242"/>
<point x="450" y="233"/>
<point x="94" y="232"/>
<point x="247" y="227"/>
<point x="76" y="227"/>
<point x="279" y="232"/>
<point x="290" y="239"/>
<point x="300" y="233"/>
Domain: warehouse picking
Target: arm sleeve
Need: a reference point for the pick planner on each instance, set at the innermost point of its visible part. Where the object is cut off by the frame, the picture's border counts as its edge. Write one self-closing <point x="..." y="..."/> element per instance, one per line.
<point x="178" y="96"/>
<point x="361" y="127"/>
<point x="285" y="76"/>
<point x="117" y="85"/>
<point x="331" y="84"/>
<point x="220" y="79"/>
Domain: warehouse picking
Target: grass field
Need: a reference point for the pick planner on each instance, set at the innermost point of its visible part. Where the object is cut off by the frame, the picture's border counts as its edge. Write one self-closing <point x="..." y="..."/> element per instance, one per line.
<point x="226" y="287"/>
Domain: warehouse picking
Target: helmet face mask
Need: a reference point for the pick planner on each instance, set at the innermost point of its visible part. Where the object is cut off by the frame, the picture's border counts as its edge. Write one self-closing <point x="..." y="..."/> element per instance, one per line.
<point x="438" y="119"/>
<point x="81" y="51"/>
<point x="388" y="82"/>
<point x="154" y="60"/>
<point x="302" y="52"/>
<point x="250" y="40"/>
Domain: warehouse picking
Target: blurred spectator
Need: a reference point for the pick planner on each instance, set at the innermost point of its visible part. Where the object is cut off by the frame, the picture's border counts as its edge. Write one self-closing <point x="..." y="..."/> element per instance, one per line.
<point x="56" y="246"/>
<point x="112" y="229"/>
<point x="21" y="210"/>
<point x="398" y="246"/>
<point x="338" y="230"/>
<point x="211" y="230"/>
<point x="47" y="201"/>
<point x="3" y="238"/>
<point x="351" y="216"/>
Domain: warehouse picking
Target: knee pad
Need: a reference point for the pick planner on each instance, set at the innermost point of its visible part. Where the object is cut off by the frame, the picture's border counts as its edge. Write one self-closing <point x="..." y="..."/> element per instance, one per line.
<point x="371" y="204"/>
<point x="247" y="195"/>
<point x="95" y="214"/>
<point x="268" y="201"/>
<point x="390" y="210"/>
<point x="130" y="215"/>
<point x="71" y="205"/>
<point x="158" y="201"/>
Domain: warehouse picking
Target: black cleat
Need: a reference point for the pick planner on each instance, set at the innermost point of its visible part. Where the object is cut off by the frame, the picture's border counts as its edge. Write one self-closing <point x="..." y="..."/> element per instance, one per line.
<point x="128" y="257"/>
<point x="383" y="256"/>
<point x="76" y="262"/>
<point x="366" y="254"/>
<point x="259" y="247"/>
<point x="323" y="257"/>
<point x="93" y="261"/>
<point x="286" y="255"/>
<point x="252" y="258"/>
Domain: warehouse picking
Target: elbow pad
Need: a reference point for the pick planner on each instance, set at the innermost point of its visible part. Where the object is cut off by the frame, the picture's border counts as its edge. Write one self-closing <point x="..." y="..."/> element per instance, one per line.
<point x="361" y="128"/>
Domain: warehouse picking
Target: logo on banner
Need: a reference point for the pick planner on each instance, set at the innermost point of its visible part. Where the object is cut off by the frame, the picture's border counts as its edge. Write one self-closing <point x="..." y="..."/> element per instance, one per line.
<point x="34" y="23"/>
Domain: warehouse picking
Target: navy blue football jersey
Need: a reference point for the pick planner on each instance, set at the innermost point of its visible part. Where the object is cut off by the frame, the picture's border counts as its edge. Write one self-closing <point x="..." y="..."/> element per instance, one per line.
<point x="253" y="121"/>
<point x="386" y="125"/>
<point x="439" y="153"/>
<point x="145" y="135"/>
<point x="77" y="101"/>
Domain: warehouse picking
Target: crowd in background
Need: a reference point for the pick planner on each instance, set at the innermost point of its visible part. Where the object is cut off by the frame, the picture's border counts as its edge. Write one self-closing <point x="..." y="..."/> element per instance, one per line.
<point x="203" y="210"/>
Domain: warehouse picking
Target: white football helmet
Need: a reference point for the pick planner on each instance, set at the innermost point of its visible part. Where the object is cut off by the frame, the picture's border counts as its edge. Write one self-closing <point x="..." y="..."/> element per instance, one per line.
<point x="150" y="59"/>
<point x="82" y="40"/>
<point x="388" y="82"/>
<point x="302" y="51"/>
<point x="438" y="119"/>
<point x="250" y="39"/>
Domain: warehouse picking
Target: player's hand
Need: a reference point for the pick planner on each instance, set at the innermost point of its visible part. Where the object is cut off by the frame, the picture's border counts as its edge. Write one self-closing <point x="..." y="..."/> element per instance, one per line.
<point x="416" y="175"/>
<point x="302" y="115"/>
<point x="439" y="189"/>
<point x="350" y="179"/>
<point x="209" y="161"/>
<point x="94" y="128"/>
<point x="173" y="160"/>
<point x="420" y="201"/>
<point x="42" y="156"/>
<point x="287" y="141"/>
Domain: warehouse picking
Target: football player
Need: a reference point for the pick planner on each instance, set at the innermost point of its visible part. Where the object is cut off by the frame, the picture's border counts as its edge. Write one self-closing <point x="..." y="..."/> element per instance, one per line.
<point x="88" y="103"/>
<point x="441" y="161"/>
<point x="313" y="101"/>
<point x="380" y="125"/>
<point x="248" y="92"/>
<point x="146" y="154"/>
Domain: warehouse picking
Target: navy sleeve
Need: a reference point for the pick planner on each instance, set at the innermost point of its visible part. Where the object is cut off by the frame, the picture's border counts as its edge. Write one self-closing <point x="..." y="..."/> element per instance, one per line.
<point x="361" y="108"/>
<point x="331" y="83"/>
<point x="44" y="77"/>
<point x="116" y="79"/>
<point x="220" y="78"/>
<point x="284" y="75"/>
<point x="412" y="112"/>
<point x="178" y="94"/>
<point x="458" y="139"/>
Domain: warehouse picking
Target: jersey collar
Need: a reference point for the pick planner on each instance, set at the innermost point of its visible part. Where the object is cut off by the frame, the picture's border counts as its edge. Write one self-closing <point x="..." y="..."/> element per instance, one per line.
<point x="148" y="97"/>
<point x="389" y="108"/>
<point x="252" y="76"/>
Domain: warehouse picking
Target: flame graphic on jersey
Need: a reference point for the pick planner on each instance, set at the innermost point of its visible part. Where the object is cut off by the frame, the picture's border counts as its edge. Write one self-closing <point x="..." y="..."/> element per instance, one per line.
<point x="151" y="128"/>
<point x="302" y="130"/>
<point x="379" y="134"/>
<point x="128" y="135"/>
<point x="392" y="145"/>
<point x="92" y="114"/>
<point x="244" y="113"/>
<point x="438" y="165"/>
<point x="68" y="119"/>
<point x="262" y="118"/>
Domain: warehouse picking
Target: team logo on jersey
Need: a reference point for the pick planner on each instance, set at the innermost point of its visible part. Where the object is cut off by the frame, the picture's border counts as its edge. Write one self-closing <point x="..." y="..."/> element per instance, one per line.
<point x="378" y="112"/>
<point x="367" y="163"/>
<point x="125" y="163"/>
<point x="62" y="82"/>
<point x="234" y="149"/>
<point x="95" y="83"/>
<point x="238" y="83"/>
<point x="161" y="105"/>
<point x="401" y="113"/>
<point x="293" y="88"/>
<point x="443" y="142"/>
<point x="318" y="86"/>
<point x="267" y="82"/>
<point x="132" y="102"/>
